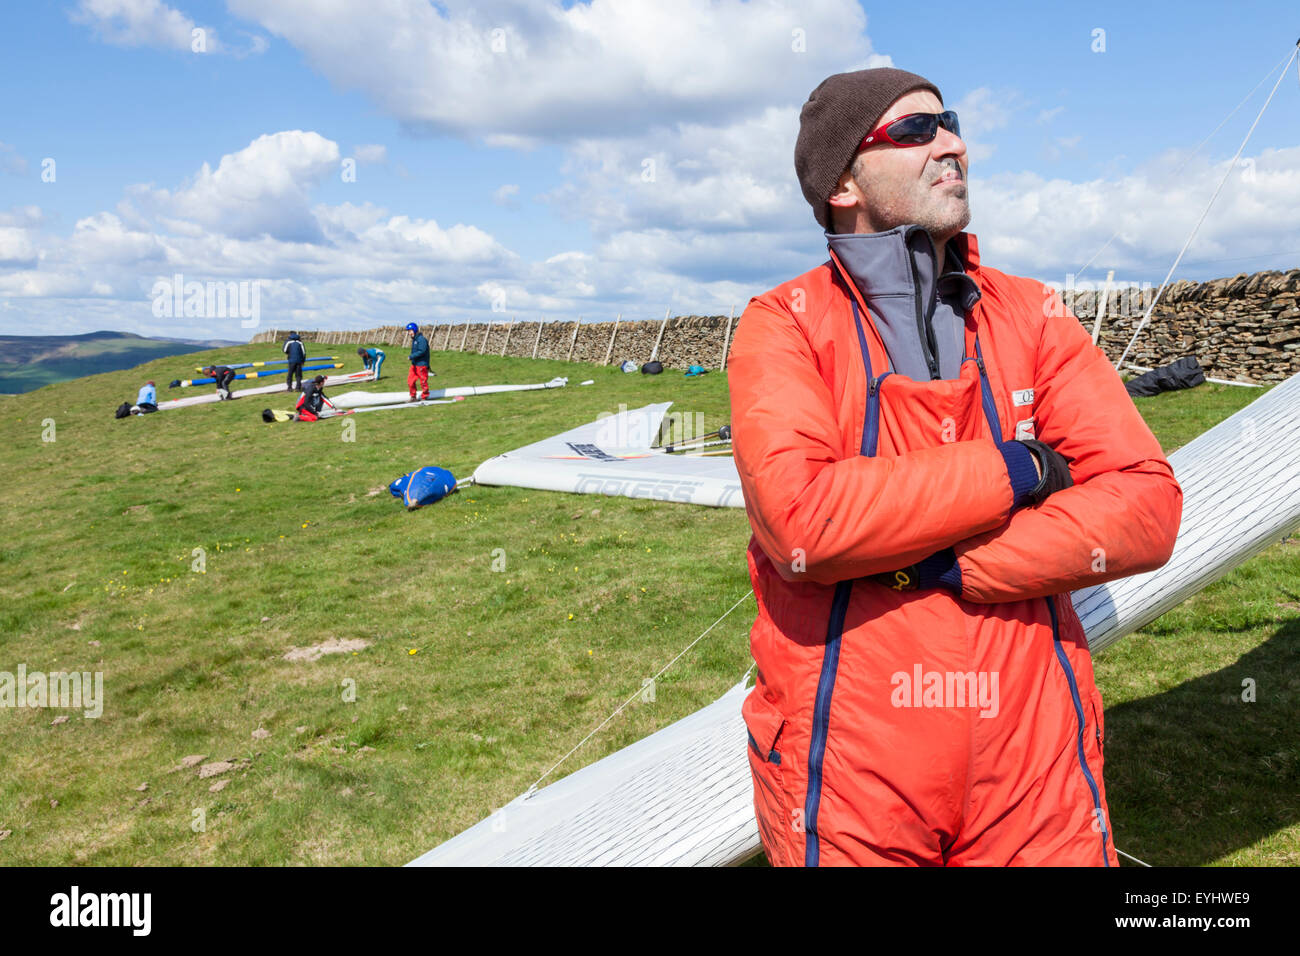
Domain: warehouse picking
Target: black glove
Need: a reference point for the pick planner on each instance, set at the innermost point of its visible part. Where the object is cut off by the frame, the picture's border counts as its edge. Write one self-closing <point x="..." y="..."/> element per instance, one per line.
<point x="1055" y="471"/>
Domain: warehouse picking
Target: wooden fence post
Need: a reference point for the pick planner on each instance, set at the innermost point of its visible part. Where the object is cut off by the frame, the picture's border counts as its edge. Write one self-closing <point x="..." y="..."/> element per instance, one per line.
<point x="483" y="346"/>
<point x="537" y="341"/>
<point x="1101" y="307"/>
<point x="613" y="335"/>
<point x="662" y="326"/>
<point x="463" y="336"/>
<point x="509" y="328"/>
<point x="726" y="340"/>
<point x="574" y="340"/>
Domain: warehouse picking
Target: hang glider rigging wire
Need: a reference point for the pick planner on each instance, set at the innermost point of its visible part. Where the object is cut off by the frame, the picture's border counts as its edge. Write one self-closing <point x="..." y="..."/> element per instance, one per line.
<point x="1226" y="173"/>
<point x="618" y="710"/>
<point x="1190" y="156"/>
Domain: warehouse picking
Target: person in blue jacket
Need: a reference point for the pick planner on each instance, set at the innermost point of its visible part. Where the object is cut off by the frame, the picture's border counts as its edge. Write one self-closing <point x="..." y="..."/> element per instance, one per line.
<point x="147" y="400"/>
<point x="371" y="358"/>
<point x="296" y="354"/>
<point x="419" y="373"/>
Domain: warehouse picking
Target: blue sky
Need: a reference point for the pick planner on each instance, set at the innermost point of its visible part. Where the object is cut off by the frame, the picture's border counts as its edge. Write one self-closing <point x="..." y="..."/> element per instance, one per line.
<point x="501" y="150"/>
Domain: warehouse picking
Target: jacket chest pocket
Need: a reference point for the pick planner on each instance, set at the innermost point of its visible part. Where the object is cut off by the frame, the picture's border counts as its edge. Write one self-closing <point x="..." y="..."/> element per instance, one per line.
<point x="916" y="415"/>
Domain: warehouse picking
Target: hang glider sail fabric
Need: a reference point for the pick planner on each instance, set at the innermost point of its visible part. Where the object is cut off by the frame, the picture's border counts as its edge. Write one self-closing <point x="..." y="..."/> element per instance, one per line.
<point x="683" y="796"/>
<point x="362" y="399"/>
<point x="612" y="456"/>
<point x="351" y="378"/>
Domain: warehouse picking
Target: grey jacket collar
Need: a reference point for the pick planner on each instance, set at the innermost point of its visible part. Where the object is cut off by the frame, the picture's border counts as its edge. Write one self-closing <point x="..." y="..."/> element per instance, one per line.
<point x="921" y="316"/>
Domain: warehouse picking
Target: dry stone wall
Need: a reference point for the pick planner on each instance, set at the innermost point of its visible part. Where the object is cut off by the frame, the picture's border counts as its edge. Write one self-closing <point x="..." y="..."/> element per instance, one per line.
<point x="1244" y="328"/>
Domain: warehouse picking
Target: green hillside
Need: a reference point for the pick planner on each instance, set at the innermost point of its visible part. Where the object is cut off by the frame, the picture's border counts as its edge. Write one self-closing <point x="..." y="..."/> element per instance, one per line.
<point x="459" y="685"/>
<point x="30" y="361"/>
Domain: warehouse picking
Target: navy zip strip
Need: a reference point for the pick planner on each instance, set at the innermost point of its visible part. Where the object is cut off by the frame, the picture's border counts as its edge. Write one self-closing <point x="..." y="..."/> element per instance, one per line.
<point x="835" y="627"/>
<point x="771" y="756"/>
<point x="871" y="427"/>
<point x="1078" y="713"/>
<point x="986" y="394"/>
<point x="822" y="718"/>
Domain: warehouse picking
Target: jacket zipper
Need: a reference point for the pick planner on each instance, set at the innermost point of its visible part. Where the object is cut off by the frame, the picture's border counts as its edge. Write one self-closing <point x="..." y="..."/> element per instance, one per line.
<point x="835" y="631"/>
<point x="822" y="718"/>
<point x="924" y="328"/>
<point x="986" y="395"/>
<point x="1098" y="814"/>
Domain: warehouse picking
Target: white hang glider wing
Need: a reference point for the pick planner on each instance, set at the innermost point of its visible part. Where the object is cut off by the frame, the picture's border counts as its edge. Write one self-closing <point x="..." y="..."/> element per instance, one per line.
<point x="351" y="378"/>
<point x="683" y="796"/>
<point x="364" y="399"/>
<point x="613" y="456"/>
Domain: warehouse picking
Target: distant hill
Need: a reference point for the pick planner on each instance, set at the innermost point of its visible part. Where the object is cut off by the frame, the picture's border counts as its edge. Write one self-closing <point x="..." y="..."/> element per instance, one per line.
<point x="31" y="361"/>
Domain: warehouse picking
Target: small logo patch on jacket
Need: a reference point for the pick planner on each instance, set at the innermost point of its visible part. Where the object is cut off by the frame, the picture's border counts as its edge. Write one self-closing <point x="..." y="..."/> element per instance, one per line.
<point x="1025" y="429"/>
<point x="1024" y="396"/>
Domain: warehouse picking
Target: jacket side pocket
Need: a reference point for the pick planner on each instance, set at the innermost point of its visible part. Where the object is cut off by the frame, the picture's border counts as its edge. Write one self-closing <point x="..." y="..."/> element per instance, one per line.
<point x="778" y="825"/>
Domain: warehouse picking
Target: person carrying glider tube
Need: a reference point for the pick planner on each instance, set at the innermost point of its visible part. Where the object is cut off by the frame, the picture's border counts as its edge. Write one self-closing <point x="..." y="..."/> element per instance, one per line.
<point x="933" y="456"/>
<point x="147" y="400"/>
<point x="419" y="373"/>
<point x="296" y="353"/>
<point x="371" y="359"/>
<point x="222" y="377"/>
<point x="312" y="400"/>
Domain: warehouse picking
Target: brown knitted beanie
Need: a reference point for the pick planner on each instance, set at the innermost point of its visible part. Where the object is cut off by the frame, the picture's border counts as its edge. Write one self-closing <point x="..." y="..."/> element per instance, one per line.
<point x="840" y="112"/>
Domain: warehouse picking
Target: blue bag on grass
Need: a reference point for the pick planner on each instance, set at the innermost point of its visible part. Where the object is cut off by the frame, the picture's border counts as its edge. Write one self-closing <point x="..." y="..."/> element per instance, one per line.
<point x="426" y="485"/>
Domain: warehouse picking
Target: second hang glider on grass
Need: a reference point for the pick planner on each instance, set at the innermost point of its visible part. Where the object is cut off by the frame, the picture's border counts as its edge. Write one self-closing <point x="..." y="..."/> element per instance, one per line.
<point x="403" y="399"/>
<point x="617" y="455"/>
<point x="351" y="403"/>
<point x="268" y="363"/>
<point x="264" y="373"/>
<point x="207" y="398"/>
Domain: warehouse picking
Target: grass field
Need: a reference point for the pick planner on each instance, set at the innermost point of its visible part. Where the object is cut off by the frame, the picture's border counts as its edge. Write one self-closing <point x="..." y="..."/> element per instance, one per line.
<point x="463" y="684"/>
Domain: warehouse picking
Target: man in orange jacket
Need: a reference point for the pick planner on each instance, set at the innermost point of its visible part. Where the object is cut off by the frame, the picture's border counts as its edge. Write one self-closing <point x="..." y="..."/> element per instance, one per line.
<point x="933" y="454"/>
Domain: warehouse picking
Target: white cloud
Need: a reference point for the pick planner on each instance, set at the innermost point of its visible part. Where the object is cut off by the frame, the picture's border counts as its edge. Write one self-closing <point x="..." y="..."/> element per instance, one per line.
<point x="677" y="123"/>
<point x="143" y="23"/>
<point x="371" y="153"/>
<point x="11" y="161"/>
<point x="1050" y="227"/>
<point x="261" y="189"/>
<point x="738" y="176"/>
<point x="250" y="219"/>
<point x="517" y="70"/>
<point x="981" y="112"/>
<point x="16" y="247"/>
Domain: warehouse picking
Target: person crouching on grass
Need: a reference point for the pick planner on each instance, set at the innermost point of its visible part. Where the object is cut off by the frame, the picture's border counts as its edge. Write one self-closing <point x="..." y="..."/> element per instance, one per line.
<point x="221" y="377"/>
<point x="312" y="400"/>
<point x="372" y="359"/>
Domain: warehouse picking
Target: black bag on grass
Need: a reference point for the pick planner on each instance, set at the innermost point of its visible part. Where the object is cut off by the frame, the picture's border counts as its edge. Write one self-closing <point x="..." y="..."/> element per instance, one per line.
<point x="1183" y="373"/>
<point x="652" y="368"/>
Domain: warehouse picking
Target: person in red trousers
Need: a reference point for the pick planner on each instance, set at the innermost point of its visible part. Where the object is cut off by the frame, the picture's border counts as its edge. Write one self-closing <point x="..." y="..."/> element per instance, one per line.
<point x="419" y="374"/>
